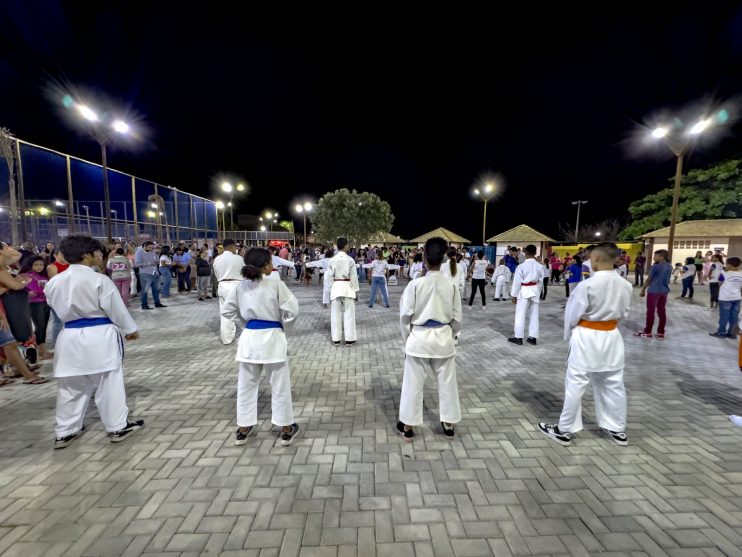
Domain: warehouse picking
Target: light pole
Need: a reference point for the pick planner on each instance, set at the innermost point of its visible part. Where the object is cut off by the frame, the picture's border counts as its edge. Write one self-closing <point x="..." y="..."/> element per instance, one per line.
<point x="115" y="214"/>
<point x="58" y="204"/>
<point x="220" y="207"/>
<point x="304" y="209"/>
<point x="227" y="188"/>
<point x="485" y="193"/>
<point x="86" y="208"/>
<point x="579" y="203"/>
<point x="103" y="134"/>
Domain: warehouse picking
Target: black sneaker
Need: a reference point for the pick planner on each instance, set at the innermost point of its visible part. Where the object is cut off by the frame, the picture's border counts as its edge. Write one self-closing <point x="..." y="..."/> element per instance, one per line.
<point x="407" y="434"/>
<point x="350" y="342"/>
<point x="243" y="434"/>
<point x="553" y="433"/>
<point x="146" y="307"/>
<point x="531" y="340"/>
<point x="718" y="335"/>
<point x="447" y="431"/>
<point x="619" y="437"/>
<point x="160" y="306"/>
<point x="128" y="431"/>
<point x="62" y="442"/>
<point x="32" y="355"/>
<point x="287" y="437"/>
<point x="514" y="340"/>
<point x="336" y="343"/>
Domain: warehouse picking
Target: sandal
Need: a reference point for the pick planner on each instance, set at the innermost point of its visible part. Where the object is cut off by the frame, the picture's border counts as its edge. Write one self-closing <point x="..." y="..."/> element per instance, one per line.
<point x="5" y="382"/>
<point x="39" y="380"/>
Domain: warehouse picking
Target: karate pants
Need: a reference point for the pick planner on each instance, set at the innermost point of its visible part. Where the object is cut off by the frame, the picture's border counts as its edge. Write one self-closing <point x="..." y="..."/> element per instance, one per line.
<point x="227" y="327"/>
<point x="500" y="290"/>
<point x="73" y="396"/>
<point x="609" y="394"/>
<point x="343" y="319"/>
<point x="411" y="400"/>
<point x="526" y="306"/>
<point x="248" y="386"/>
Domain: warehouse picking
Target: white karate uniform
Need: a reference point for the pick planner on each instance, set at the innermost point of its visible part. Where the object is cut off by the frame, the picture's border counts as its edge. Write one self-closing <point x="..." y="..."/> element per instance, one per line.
<point x="430" y="349"/>
<point x="596" y="356"/>
<point x="501" y="278"/>
<point x="89" y="359"/>
<point x="262" y="349"/>
<point x="343" y="279"/>
<point x="322" y="264"/>
<point x="459" y="279"/>
<point x="228" y="271"/>
<point x="277" y="263"/>
<point x="530" y="271"/>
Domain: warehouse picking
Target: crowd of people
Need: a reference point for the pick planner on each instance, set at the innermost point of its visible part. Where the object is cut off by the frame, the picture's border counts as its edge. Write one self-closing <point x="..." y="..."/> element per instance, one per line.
<point x="81" y="292"/>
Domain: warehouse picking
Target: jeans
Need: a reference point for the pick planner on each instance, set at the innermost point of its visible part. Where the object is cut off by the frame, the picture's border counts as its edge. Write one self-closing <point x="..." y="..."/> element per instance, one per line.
<point x="148" y="281"/>
<point x="167" y="279"/>
<point x="477" y="283"/>
<point x="714" y="292"/>
<point x="639" y="275"/>
<point x="204" y="282"/>
<point x="361" y="274"/>
<point x="378" y="283"/>
<point x="184" y="280"/>
<point x="656" y="302"/>
<point x="687" y="288"/>
<point x="728" y="316"/>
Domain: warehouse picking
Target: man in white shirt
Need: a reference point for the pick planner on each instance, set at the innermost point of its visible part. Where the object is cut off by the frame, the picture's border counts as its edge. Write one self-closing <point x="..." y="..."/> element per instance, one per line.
<point x="89" y="350"/>
<point x="228" y="271"/>
<point x="525" y="292"/>
<point x="343" y="283"/>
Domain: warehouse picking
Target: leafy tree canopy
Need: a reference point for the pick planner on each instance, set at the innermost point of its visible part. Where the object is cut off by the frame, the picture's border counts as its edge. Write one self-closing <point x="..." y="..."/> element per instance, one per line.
<point x="358" y="216"/>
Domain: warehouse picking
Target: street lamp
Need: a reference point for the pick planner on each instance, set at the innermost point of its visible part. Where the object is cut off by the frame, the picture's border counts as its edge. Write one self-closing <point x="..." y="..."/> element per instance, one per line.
<point x="304" y="209"/>
<point x="86" y="208"/>
<point x="597" y="234"/>
<point x="486" y="192"/>
<point x="103" y="133"/>
<point x="228" y="188"/>
<point x="220" y="207"/>
<point x="579" y="203"/>
<point x="679" y="140"/>
<point x="115" y="214"/>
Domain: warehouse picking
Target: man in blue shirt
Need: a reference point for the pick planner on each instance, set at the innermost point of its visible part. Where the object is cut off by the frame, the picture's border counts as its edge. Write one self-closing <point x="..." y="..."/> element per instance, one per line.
<point x="511" y="259"/>
<point x="656" y="289"/>
<point x="148" y="263"/>
<point x="182" y="261"/>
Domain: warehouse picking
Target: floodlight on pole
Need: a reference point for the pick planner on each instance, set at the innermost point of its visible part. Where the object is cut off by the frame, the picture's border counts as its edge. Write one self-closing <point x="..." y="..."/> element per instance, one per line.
<point x="120" y="126"/>
<point x="485" y="192"/>
<point x="579" y="203"/>
<point x="226" y="187"/>
<point x="88" y="113"/>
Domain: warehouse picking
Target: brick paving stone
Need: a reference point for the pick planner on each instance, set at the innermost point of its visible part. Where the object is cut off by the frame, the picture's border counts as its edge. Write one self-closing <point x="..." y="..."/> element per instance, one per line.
<point x="349" y="485"/>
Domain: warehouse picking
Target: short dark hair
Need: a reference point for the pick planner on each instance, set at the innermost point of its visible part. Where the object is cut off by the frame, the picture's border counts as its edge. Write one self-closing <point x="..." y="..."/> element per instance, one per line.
<point x="734" y="261"/>
<point x="228" y="242"/>
<point x="255" y="259"/>
<point x="480" y="254"/>
<point x="607" y="250"/>
<point x="76" y="247"/>
<point x="148" y="243"/>
<point x="435" y="249"/>
<point x="27" y="264"/>
<point x="664" y="253"/>
<point x="120" y="251"/>
<point x="342" y="241"/>
<point x="530" y="249"/>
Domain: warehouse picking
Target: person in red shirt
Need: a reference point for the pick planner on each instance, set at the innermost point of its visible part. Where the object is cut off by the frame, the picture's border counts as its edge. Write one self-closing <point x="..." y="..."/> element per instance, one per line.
<point x="556" y="268"/>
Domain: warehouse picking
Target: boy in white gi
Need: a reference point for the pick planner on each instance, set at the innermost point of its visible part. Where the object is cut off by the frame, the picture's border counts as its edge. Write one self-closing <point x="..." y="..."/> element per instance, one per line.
<point x="322" y="265"/>
<point x="526" y="291"/>
<point x="228" y="271"/>
<point x="89" y="351"/>
<point x="343" y="283"/>
<point x="501" y="278"/>
<point x="265" y="306"/>
<point x="596" y="350"/>
<point x="430" y="317"/>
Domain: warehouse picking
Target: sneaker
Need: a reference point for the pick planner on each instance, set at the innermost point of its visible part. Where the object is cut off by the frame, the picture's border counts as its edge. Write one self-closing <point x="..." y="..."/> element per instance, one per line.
<point x="642" y="334"/>
<point x="62" y="442"/>
<point x="660" y="336"/>
<point x="287" y="437"/>
<point x="407" y="434"/>
<point x="242" y="435"/>
<point x="200" y="299"/>
<point x="350" y="342"/>
<point x="128" y="431"/>
<point x="553" y="433"/>
<point x="619" y="437"/>
<point x="531" y="340"/>
<point x="160" y="306"/>
<point x="447" y="430"/>
<point x="336" y="343"/>
<point x="717" y="335"/>
<point x="514" y="340"/>
<point x="146" y="307"/>
<point x="208" y="297"/>
<point x="32" y="355"/>
<point x="731" y="336"/>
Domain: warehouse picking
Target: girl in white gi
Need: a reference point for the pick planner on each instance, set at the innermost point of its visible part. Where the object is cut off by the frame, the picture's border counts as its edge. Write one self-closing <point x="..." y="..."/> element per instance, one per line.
<point x="501" y="279"/>
<point x="430" y="317"/>
<point x="526" y="290"/>
<point x="343" y="278"/>
<point x="265" y="306"/>
<point x="322" y="265"/>
<point x="89" y="351"/>
<point x="453" y="270"/>
<point x="596" y="350"/>
<point x="277" y="263"/>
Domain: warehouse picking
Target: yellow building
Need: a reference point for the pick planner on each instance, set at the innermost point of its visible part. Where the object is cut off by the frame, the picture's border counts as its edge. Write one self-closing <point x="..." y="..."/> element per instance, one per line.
<point x="692" y="236"/>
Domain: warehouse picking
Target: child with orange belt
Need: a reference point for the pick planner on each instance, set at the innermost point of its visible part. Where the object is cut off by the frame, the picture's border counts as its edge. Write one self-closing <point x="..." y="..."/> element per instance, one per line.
<point x="596" y="350"/>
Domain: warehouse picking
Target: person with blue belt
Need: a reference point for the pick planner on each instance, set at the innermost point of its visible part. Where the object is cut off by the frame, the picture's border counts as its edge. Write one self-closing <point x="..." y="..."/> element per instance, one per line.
<point x="89" y="351"/>
<point x="265" y="307"/>
<point x="430" y="318"/>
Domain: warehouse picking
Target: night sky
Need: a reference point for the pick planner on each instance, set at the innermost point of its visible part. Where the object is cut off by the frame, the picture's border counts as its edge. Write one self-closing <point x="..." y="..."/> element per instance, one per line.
<point x="413" y="106"/>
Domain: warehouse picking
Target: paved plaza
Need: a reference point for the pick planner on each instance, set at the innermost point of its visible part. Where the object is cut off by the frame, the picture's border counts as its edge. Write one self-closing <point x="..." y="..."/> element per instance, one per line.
<point x="349" y="485"/>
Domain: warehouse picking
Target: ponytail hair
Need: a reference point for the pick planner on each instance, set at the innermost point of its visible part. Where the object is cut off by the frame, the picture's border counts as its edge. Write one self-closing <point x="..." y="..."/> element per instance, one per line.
<point x="451" y="253"/>
<point x="255" y="260"/>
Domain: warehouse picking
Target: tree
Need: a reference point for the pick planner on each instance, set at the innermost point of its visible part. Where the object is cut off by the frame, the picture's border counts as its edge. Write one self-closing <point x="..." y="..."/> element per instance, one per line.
<point x="708" y="193"/>
<point x="7" y="151"/>
<point x="357" y="216"/>
<point x="609" y="230"/>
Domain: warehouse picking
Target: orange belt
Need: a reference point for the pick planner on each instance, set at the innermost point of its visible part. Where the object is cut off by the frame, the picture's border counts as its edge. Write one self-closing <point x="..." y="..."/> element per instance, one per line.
<point x="599" y="325"/>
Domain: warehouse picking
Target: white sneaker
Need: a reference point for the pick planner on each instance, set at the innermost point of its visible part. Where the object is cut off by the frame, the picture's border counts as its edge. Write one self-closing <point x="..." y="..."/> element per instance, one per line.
<point x="736" y="420"/>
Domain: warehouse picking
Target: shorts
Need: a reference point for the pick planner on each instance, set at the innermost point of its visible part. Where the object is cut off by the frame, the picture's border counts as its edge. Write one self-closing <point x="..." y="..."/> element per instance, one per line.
<point x="6" y="338"/>
<point x="699" y="267"/>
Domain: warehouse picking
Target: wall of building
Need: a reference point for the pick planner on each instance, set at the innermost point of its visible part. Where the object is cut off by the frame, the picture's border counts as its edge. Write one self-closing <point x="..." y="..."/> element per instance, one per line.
<point x="687" y="247"/>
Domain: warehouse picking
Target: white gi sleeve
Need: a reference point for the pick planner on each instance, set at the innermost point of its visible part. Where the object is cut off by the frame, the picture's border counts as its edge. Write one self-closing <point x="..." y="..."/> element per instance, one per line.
<point x="517" y="279"/>
<point x="110" y="301"/>
<point x="576" y="307"/>
<point x="281" y="262"/>
<point x="407" y="309"/>
<point x="288" y="304"/>
<point x="330" y="274"/>
<point x="231" y="307"/>
<point x="457" y="315"/>
<point x="354" y="278"/>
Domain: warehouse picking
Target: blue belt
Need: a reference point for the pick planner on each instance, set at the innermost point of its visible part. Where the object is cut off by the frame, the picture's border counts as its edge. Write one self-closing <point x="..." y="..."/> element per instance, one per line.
<point x="258" y="324"/>
<point x="87" y="322"/>
<point x="433" y="324"/>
